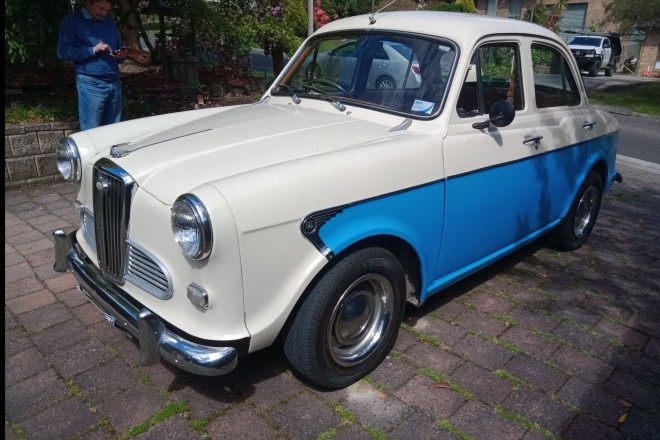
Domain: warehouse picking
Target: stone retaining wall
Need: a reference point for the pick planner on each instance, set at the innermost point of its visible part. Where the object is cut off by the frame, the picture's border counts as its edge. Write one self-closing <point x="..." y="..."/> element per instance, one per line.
<point x="30" y="151"/>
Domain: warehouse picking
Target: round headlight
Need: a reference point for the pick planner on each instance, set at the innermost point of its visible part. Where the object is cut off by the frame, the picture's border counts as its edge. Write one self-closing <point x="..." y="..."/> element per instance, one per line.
<point x="68" y="159"/>
<point x="191" y="227"/>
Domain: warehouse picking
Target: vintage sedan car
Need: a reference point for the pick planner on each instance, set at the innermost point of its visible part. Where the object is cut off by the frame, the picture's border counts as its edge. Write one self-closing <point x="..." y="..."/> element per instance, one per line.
<point x="313" y="216"/>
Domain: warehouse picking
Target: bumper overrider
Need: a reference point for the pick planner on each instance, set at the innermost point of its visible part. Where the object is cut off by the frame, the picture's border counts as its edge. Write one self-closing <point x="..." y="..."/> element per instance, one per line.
<point x="154" y="339"/>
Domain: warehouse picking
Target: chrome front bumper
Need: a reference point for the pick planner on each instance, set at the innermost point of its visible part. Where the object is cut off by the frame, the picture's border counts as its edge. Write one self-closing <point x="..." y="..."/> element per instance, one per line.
<point x="154" y="339"/>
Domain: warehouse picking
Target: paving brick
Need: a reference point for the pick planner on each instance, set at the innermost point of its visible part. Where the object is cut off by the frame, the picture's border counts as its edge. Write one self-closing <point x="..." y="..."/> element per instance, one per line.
<point x="105" y="380"/>
<point x="60" y="336"/>
<point x="593" y="400"/>
<point x="484" y="383"/>
<point x="446" y="333"/>
<point x="418" y="426"/>
<point x="603" y="290"/>
<point x="40" y="258"/>
<point x="428" y="356"/>
<point x="295" y="416"/>
<point x="63" y="420"/>
<point x="537" y="373"/>
<point x="563" y="293"/>
<point x="380" y="410"/>
<point x="474" y="320"/>
<point x="621" y="333"/>
<point x="392" y="373"/>
<point x="72" y="298"/>
<point x="489" y="303"/>
<point x="634" y="391"/>
<point x="132" y="407"/>
<point x="530" y="342"/>
<point x="21" y="287"/>
<point x="576" y="314"/>
<point x="18" y="272"/>
<point x="34" y="246"/>
<point x="481" y="421"/>
<point x="79" y="357"/>
<point x="437" y="402"/>
<point x="534" y="298"/>
<point x="540" y="408"/>
<point x="640" y="425"/>
<point x="22" y="365"/>
<point x="13" y="259"/>
<point x="580" y="339"/>
<point x="242" y="422"/>
<point x="267" y="385"/>
<point x="634" y="363"/>
<point x="16" y="341"/>
<point x="61" y="283"/>
<point x="45" y="317"/>
<point x="584" y="428"/>
<point x="30" y="302"/>
<point x="174" y="427"/>
<point x="33" y="394"/>
<point x="652" y="349"/>
<point x="533" y="319"/>
<point x="587" y="367"/>
<point x="352" y="431"/>
<point x="208" y="396"/>
<point x="482" y="352"/>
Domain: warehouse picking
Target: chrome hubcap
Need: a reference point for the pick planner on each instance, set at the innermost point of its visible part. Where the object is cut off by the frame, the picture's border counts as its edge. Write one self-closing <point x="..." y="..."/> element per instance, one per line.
<point x="584" y="211"/>
<point x="359" y="320"/>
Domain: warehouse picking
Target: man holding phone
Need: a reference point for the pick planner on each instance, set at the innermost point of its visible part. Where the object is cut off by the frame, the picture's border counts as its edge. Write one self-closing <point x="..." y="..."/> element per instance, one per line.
<point x="89" y="39"/>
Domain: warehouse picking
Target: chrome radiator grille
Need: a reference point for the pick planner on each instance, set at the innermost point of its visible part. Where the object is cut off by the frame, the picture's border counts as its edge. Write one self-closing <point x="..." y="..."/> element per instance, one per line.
<point x="113" y="193"/>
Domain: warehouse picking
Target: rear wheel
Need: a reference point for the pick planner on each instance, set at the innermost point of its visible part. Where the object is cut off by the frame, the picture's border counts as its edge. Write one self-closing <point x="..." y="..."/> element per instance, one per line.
<point x="349" y="322"/>
<point x="575" y="228"/>
<point x="385" y="83"/>
<point x="610" y="68"/>
<point x="593" y="70"/>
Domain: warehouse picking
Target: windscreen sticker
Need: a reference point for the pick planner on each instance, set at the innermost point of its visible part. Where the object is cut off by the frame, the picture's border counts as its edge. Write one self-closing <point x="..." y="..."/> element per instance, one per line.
<point x="423" y="106"/>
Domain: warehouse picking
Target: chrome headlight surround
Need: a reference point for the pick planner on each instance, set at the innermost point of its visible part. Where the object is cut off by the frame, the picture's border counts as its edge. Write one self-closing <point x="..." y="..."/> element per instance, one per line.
<point x="68" y="159"/>
<point x="191" y="227"/>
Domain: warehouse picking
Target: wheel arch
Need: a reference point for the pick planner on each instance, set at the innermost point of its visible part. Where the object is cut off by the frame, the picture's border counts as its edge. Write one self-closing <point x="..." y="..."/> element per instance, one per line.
<point x="401" y="249"/>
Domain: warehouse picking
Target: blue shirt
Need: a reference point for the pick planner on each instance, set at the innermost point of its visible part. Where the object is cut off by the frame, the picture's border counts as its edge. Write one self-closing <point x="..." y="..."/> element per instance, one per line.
<point x="79" y="33"/>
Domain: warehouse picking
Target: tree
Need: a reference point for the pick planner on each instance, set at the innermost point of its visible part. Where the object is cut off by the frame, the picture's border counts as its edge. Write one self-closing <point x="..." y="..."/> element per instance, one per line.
<point x="634" y="14"/>
<point x="549" y="18"/>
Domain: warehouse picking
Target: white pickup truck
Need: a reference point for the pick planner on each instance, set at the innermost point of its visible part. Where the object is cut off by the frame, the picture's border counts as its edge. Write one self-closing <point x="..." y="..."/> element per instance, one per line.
<point x="594" y="53"/>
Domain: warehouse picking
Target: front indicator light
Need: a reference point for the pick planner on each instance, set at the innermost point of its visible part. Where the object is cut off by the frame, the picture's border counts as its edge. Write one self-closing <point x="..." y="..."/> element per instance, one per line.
<point x="197" y="295"/>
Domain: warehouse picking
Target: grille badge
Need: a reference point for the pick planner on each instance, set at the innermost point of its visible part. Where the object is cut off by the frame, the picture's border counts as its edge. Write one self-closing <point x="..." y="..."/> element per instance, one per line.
<point x="103" y="184"/>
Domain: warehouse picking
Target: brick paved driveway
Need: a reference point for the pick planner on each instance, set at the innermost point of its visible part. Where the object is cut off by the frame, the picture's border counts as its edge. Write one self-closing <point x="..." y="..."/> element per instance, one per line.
<point x="542" y="345"/>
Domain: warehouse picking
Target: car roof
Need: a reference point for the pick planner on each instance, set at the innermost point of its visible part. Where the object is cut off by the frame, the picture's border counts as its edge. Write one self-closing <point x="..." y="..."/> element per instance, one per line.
<point x="460" y="27"/>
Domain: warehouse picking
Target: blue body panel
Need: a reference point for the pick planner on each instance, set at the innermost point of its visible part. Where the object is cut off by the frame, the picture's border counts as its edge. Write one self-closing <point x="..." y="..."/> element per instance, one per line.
<point x="466" y="222"/>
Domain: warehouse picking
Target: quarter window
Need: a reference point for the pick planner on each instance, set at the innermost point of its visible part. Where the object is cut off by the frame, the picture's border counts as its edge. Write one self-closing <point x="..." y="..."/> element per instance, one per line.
<point x="554" y="83"/>
<point x="494" y="76"/>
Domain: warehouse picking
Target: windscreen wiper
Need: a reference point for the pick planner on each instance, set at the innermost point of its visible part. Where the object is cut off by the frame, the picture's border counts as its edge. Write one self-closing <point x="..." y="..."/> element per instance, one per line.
<point x="338" y="105"/>
<point x="294" y="96"/>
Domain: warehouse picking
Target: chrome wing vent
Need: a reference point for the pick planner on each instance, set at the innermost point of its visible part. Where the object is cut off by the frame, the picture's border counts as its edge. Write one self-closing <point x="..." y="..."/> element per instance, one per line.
<point x="146" y="272"/>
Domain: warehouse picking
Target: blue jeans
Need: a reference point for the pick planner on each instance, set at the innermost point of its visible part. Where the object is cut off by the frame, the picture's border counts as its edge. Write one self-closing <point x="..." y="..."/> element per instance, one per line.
<point x="99" y="102"/>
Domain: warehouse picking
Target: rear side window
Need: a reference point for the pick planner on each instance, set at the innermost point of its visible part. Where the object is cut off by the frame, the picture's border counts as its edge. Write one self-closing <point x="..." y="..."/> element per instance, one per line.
<point x="554" y="83"/>
<point x="494" y="76"/>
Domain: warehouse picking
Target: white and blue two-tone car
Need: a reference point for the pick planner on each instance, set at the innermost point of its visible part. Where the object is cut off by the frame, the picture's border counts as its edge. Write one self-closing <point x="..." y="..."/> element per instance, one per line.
<point x="313" y="216"/>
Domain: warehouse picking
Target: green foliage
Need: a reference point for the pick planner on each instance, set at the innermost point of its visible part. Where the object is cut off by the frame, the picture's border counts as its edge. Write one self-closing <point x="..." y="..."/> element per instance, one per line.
<point x="457" y="6"/>
<point x="549" y="18"/>
<point x="631" y="14"/>
<point x="31" y="30"/>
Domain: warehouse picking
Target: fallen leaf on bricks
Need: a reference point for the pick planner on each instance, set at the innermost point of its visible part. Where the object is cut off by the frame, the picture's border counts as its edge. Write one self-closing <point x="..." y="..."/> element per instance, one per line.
<point x="442" y="384"/>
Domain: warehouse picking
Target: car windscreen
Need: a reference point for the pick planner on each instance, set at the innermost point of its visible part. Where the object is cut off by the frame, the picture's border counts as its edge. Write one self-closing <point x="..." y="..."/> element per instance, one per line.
<point x="585" y="41"/>
<point x="384" y="71"/>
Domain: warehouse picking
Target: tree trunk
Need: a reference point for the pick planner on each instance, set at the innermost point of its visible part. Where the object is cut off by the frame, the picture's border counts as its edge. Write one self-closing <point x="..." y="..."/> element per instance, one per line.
<point x="278" y="59"/>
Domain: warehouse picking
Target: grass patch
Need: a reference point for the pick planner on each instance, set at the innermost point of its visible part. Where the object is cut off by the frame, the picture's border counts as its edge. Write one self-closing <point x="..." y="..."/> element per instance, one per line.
<point x="199" y="425"/>
<point x="496" y="341"/>
<point x="345" y="414"/>
<point x="164" y="414"/>
<point x="328" y="434"/>
<point x="517" y="381"/>
<point x="54" y="110"/>
<point x="421" y="337"/>
<point x="449" y="426"/>
<point x="510" y="415"/>
<point x="375" y="433"/>
<point x="438" y="377"/>
<point x="641" y="98"/>
<point x="74" y="390"/>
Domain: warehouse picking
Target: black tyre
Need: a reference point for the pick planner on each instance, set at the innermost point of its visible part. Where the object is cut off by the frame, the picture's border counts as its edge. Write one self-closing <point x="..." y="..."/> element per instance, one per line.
<point x="593" y="70"/>
<point x="349" y="322"/>
<point x="610" y="68"/>
<point x="574" y="229"/>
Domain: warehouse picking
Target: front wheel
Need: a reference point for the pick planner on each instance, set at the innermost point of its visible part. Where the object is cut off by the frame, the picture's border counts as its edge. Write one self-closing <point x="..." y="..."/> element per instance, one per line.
<point x="349" y="322"/>
<point x="573" y="231"/>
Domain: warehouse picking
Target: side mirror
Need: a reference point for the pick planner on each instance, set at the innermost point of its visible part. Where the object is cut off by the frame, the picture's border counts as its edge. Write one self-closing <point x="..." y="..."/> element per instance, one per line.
<point x="501" y="114"/>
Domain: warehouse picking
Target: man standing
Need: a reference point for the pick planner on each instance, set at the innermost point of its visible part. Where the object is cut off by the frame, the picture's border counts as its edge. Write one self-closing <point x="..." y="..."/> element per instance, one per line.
<point x="89" y="38"/>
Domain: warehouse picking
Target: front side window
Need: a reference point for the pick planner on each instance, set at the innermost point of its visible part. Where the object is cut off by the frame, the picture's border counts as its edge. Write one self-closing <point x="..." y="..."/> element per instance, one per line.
<point x="494" y="75"/>
<point x="394" y="73"/>
<point x="554" y="83"/>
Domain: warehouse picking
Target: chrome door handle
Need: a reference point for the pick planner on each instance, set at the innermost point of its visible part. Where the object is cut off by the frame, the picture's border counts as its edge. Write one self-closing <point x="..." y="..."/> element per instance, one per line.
<point x="589" y="125"/>
<point x="534" y="139"/>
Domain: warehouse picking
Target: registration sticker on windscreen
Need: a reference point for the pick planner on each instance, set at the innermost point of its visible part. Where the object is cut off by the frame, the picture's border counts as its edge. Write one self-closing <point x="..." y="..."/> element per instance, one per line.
<point x="425" y="107"/>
